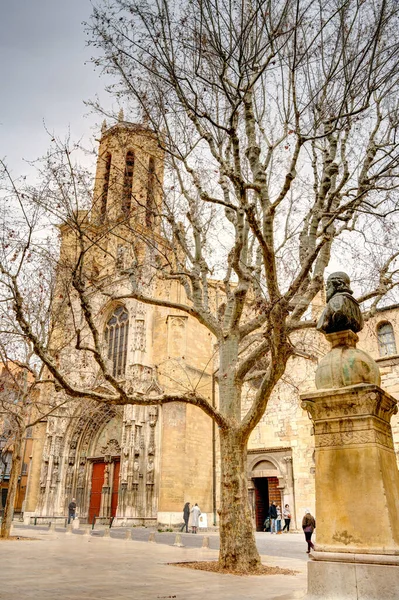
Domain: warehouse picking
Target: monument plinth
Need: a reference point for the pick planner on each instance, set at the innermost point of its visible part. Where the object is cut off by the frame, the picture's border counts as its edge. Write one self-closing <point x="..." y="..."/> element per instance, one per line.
<point x="357" y="479"/>
<point x="356" y="556"/>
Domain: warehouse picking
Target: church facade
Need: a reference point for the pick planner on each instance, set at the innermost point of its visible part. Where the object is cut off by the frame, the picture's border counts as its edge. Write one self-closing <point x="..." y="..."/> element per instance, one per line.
<point x="136" y="464"/>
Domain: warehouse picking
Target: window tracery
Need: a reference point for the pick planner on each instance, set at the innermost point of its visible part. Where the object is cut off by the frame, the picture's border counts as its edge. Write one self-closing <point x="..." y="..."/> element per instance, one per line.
<point x="116" y="336"/>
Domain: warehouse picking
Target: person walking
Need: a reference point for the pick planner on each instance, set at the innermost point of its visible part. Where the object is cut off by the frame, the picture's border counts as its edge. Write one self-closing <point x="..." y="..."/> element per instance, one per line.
<point x="195" y="515"/>
<point x="71" y="510"/>
<point x="278" y="520"/>
<point x="186" y="516"/>
<point x="308" y="526"/>
<point x="272" y="517"/>
<point x="287" y="518"/>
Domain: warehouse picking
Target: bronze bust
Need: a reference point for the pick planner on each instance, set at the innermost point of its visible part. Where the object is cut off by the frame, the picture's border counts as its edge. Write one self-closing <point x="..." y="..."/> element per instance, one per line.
<point x="342" y="311"/>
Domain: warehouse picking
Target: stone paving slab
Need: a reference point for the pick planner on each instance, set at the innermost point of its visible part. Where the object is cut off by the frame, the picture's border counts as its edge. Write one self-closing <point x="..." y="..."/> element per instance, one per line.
<point x="72" y="567"/>
<point x="289" y="545"/>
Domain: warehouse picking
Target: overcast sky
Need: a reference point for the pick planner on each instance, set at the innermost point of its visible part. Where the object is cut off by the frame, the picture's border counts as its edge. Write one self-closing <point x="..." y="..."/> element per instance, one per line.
<point x="44" y="76"/>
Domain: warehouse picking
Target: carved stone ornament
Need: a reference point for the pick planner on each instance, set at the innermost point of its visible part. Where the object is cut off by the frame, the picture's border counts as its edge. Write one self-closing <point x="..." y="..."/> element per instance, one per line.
<point x="353" y="416"/>
<point x="153" y="415"/>
<point x="150" y="471"/>
<point x="140" y="335"/>
<point x="106" y="475"/>
<point x="344" y="403"/>
<point x="154" y="389"/>
<point x="112" y="448"/>
<point x="140" y="379"/>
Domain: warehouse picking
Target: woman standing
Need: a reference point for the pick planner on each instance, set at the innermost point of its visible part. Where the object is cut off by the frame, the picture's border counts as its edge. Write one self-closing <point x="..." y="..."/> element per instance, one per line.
<point x="308" y="526"/>
<point x="286" y="517"/>
<point x="195" y="515"/>
<point x="278" y="520"/>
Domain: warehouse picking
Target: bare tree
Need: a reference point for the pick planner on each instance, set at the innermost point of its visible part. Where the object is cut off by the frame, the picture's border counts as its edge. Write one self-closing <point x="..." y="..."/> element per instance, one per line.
<point x="27" y="263"/>
<point x="20" y="410"/>
<point x="278" y="121"/>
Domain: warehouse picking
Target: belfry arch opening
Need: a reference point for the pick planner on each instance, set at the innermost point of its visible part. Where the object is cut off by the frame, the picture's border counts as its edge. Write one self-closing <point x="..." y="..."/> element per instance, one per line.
<point x="128" y="183"/>
<point x="105" y="188"/>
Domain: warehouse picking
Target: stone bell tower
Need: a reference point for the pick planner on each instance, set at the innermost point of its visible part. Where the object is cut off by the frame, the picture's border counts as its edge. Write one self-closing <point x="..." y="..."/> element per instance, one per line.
<point x="128" y="184"/>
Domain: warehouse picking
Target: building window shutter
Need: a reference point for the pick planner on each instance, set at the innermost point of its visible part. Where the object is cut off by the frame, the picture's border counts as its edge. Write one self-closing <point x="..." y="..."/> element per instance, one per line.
<point x="386" y="339"/>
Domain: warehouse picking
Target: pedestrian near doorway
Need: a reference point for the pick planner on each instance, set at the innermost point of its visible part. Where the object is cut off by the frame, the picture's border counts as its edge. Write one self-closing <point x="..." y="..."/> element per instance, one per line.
<point x="272" y="516"/>
<point x="266" y="524"/>
<point x="278" y="520"/>
<point x="186" y="516"/>
<point x="287" y="518"/>
<point x="71" y="510"/>
<point x="195" y="515"/>
<point x="308" y="526"/>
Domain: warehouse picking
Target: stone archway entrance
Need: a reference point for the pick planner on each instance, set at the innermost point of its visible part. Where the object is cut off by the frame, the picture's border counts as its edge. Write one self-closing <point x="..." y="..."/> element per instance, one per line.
<point x="98" y="456"/>
<point x="270" y="478"/>
<point x="266" y="488"/>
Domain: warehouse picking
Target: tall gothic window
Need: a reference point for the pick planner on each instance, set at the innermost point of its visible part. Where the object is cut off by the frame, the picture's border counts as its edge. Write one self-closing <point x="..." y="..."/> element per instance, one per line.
<point x="386" y="339"/>
<point x="149" y="209"/>
<point x="128" y="183"/>
<point x="116" y="334"/>
<point x="104" y="193"/>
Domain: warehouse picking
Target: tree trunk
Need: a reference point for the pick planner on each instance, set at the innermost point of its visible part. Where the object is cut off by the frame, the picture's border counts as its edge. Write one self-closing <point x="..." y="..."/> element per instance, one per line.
<point x="237" y="540"/>
<point x="12" y="487"/>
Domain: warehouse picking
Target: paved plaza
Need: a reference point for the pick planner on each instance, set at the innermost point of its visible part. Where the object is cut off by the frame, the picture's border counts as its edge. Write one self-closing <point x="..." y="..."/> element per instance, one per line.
<point x="60" y="566"/>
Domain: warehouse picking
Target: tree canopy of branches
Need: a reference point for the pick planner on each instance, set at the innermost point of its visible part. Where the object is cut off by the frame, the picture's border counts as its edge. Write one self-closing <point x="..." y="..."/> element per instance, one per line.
<point x="279" y="121"/>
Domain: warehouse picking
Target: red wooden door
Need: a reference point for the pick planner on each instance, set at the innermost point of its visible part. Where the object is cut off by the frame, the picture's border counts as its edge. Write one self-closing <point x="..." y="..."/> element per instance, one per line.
<point x="97" y="481"/>
<point x="115" y="488"/>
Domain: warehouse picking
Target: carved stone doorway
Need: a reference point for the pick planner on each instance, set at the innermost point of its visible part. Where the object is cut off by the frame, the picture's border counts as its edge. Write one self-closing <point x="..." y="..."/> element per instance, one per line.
<point x="97" y="481"/>
<point x="115" y="488"/>
<point x="104" y="491"/>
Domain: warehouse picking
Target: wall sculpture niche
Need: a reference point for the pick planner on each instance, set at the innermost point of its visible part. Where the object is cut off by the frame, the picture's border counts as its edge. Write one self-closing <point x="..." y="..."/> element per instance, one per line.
<point x="177" y="336"/>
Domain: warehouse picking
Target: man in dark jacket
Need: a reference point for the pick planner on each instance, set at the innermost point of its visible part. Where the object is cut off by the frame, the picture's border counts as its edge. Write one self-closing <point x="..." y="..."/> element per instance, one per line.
<point x="186" y="516"/>
<point x="272" y="516"/>
<point x="71" y="510"/>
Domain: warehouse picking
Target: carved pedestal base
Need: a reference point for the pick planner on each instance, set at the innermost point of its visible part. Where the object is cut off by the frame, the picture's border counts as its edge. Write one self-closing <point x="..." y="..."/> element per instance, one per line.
<point x="357" y="489"/>
<point x="352" y="581"/>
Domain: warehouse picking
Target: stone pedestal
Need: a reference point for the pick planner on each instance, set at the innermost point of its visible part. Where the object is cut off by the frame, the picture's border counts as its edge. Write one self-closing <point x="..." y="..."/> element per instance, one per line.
<point x="357" y="495"/>
<point x="352" y="581"/>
